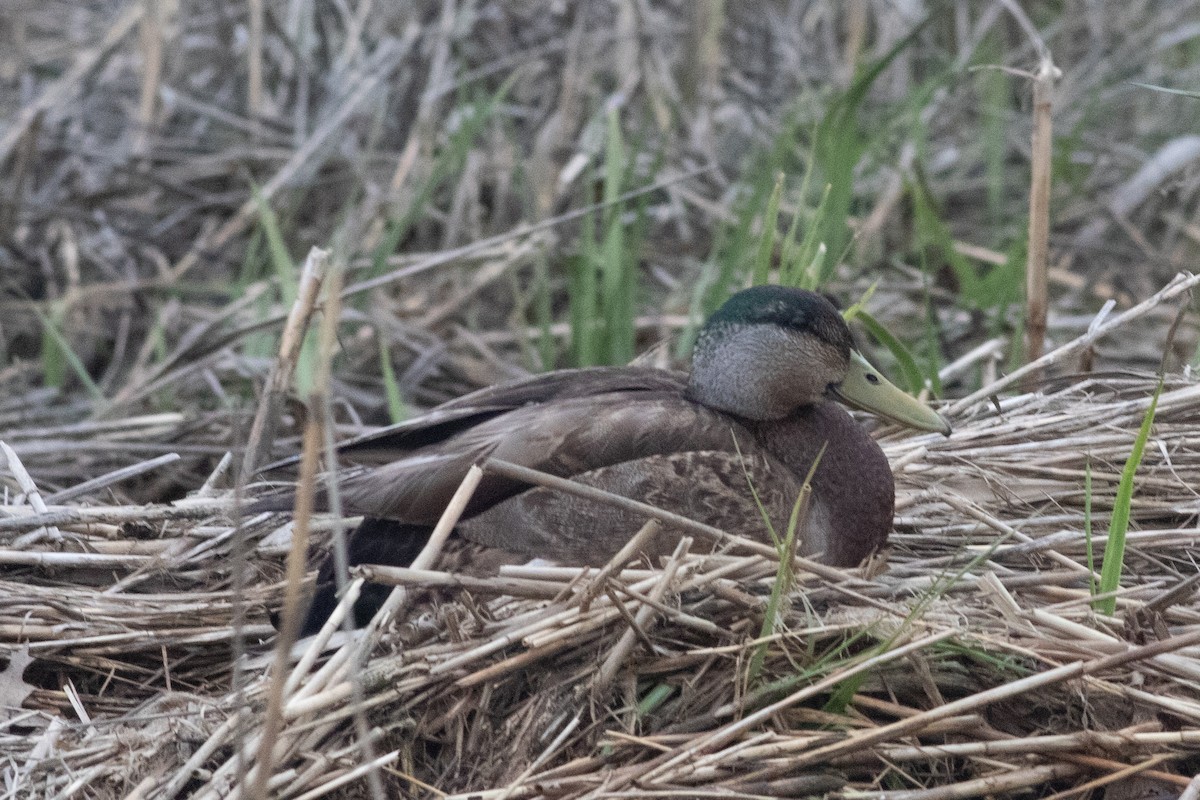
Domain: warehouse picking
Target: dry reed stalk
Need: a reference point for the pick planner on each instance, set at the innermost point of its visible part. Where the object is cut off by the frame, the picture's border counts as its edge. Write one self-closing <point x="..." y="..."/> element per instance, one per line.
<point x="114" y="515"/>
<point x="637" y="625"/>
<point x="151" y="37"/>
<point x="279" y="381"/>
<point x="1015" y="688"/>
<point x="998" y="784"/>
<point x="666" y="768"/>
<point x="330" y="685"/>
<point x="1083" y="741"/>
<point x="257" y="778"/>
<point x="110" y="479"/>
<point x="1120" y="772"/>
<point x="143" y="661"/>
<point x="406" y="576"/>
<point x="1180" y="284"/>
<point x="1036" y="298"/>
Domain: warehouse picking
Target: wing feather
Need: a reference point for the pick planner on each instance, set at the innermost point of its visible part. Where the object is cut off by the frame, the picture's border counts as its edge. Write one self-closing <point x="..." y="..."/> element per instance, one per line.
<point x="565" y="438"/>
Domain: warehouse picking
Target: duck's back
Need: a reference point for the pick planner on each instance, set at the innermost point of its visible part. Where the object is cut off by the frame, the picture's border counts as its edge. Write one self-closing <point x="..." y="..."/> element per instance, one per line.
<point x="566" y="423"/>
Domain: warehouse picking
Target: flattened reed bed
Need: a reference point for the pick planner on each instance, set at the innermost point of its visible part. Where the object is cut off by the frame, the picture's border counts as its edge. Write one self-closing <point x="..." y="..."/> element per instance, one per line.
<point x="135" y="638"/>
<point x="969" y="661"/>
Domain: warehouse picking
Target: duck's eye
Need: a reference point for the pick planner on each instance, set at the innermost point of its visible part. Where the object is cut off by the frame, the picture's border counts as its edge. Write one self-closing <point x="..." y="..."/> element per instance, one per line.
<point x="872" y="378"/>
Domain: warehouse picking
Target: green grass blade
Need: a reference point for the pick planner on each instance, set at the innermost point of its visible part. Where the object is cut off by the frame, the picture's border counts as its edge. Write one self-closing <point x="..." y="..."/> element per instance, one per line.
<point x="842" y="694"/>
<point x="585" y="301"/>
<point x="281" y="260"/>
<point x="839" y="146"/>
<point x="1114" y="548"/>
<point x="654" y="699"/>
<point x="911" y="373"/>
<point x="58" y="357"/>
<point x="995" y="97"/>
<point x="766" y="241"/>
<point x="288" y="277"/>
<point x="397" y="408"/>
<point x="543" y="313"/>
<point x="783" y="575"/>
<point x="617" y="277"/>
<point x="933" y="234"/>
<point x="813" y="254"/>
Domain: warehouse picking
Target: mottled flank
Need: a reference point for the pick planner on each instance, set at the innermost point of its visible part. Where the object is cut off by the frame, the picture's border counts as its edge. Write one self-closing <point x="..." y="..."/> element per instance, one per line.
<point x="708" y="485"/>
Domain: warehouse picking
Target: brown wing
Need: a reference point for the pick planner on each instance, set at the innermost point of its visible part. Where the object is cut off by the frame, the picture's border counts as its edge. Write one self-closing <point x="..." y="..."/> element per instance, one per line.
<point x="566" y="437"/>
<point x="444" y="422"/>
<point x="711" y="486"/>
<point x="471" y="409"/>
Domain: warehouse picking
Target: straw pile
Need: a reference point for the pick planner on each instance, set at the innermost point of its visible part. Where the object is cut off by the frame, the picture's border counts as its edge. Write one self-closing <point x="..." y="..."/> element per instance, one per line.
<point x="969" y="662"/>
<point x="149" y="153"/>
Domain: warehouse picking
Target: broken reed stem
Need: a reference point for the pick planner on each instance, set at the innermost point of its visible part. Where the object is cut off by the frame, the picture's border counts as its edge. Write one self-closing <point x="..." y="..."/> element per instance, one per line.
<point x="430" y="579"/>
<point x="150" y="37"/>
<point x="1039" y="215"/>
<point x="328" y="343"/>
<point x="970" y="509"/>
<point x="617" y="656"/>
<point x="110" y="478"/>
<point x="72" y="516"/>
<point x="211" y="745"/>
<point x="1050" y="743"/>
<point x="988" y="786"/>
<point x="1119" y="771"/>
<point x="289" y="626"/>
<point x="623" y="556"/>
<point x="33" y="495"/>
<point x="370" y="768"/>
<point x="321" y="638"/>
<point x="732" y="731"/>
<point x="1181" y="283"/>
<point x="544" y="756"/>
<point x="329" y="685"/>
<point x="270" y="407"/>
<point x="311" y="279"/>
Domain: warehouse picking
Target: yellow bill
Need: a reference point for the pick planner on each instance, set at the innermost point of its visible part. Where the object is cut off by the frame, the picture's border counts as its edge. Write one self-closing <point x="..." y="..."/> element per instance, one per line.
<point x="864" y="388"/>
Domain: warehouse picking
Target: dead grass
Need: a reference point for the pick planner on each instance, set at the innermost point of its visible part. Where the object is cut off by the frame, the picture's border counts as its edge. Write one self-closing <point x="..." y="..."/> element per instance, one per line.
<point x="973" y="661"/>
<point x="144" y="286"/>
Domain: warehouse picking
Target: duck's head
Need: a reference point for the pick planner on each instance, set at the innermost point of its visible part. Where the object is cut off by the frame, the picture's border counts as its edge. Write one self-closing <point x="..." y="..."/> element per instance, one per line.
<point x="771" y="350"/>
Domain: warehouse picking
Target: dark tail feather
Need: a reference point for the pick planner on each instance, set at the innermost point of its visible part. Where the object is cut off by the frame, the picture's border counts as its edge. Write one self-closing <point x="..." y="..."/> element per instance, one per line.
<point x="375" y="541"/>
<point x="283" y="500"/>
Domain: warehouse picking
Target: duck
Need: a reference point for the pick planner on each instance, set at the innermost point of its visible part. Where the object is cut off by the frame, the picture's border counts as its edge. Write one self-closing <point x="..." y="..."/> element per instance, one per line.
<point x="733" y="439"/>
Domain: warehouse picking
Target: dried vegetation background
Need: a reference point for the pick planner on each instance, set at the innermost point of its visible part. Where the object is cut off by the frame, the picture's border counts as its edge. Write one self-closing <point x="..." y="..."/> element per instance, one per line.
<point x="163" y="167"/>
